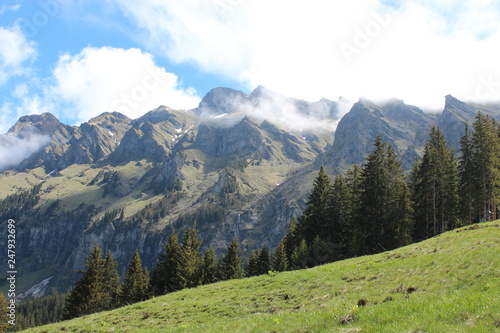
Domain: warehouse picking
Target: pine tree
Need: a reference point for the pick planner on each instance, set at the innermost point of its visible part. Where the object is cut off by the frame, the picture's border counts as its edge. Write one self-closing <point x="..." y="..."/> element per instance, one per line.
<point x="252" y="268"/>
<point x="135" y="287"/>
<point x="280" y="261"/>
<point x="112" y="287"/>
<point x="209" y="271"/>
<point x="486" y="160"/>
<point x="97" y="288"/>
<point x="341" y="216"/>
<point x="435" y="188"/>
<point x="316" y="216"/>
<point x="165" y="277"/>
<point x="264" y="261"/>
<point x="231" y="262"/>
<point x="4" y="320"/>
<point x="189" y="258"/>
<point x="300" y="256"/>
<point x="466" y="172"/>
<point x="291" y="238"/>
<point x="383" y="219"/>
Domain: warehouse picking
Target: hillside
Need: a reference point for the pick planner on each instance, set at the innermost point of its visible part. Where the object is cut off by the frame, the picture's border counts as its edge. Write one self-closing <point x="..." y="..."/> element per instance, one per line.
<point x="450" y="283"/>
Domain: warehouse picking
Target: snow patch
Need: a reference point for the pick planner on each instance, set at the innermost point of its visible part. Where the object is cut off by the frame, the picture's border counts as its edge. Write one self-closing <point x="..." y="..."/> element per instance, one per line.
<point x="218" y="116"/>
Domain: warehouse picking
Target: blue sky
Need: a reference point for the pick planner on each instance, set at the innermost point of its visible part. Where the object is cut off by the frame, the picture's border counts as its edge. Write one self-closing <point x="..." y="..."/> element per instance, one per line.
<point x="78" y="58"/>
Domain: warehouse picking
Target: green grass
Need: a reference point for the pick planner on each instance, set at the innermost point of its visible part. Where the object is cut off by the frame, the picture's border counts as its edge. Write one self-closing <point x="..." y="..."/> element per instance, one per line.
<point x="450" y="283"/>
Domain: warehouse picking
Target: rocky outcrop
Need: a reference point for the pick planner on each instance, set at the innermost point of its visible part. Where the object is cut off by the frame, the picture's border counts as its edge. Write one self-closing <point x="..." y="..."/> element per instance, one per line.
<point x="404" y="126"/>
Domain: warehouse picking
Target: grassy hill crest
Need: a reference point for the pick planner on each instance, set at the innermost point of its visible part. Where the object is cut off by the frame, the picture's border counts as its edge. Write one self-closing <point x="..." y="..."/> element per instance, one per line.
<point x="450" y="283"/>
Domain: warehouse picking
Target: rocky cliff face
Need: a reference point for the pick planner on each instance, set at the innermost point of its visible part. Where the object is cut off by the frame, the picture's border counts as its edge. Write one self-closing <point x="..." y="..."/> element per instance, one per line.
<point x="124" y="183"/>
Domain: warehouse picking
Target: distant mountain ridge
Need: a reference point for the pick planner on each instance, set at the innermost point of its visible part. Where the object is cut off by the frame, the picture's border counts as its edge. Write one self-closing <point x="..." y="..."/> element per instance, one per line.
<point x="240" y="165"/>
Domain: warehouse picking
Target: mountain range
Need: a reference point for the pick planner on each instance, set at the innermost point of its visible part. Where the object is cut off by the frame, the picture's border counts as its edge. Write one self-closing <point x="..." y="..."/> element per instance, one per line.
<point x="239" y="165"/>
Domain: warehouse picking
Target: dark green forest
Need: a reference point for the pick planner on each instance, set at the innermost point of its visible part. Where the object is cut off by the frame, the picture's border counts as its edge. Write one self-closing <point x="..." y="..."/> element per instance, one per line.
<point x="371" y="208"/>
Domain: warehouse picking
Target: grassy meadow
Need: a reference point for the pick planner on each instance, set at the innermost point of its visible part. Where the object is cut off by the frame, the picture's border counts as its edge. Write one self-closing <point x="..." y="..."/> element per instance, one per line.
<point x="450" y="283"/>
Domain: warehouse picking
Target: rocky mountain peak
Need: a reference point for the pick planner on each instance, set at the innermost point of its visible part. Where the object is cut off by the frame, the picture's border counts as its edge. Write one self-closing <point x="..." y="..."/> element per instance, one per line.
<point x="45" y="124"/>
<point x="221" y="100"/>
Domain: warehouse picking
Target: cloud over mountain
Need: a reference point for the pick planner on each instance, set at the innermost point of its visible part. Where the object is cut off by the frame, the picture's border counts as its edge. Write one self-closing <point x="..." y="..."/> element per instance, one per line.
<point x="418" y="51"/>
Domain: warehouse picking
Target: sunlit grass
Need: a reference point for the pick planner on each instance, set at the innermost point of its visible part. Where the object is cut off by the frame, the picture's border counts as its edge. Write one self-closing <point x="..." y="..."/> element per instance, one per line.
<point x="450" y="283"/>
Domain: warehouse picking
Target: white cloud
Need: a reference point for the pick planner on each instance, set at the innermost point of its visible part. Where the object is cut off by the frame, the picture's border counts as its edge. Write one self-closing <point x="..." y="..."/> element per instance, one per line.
<point x="420" y="52"/>
<point x="7" y="8"/>
<point x="112" y="79"/>
<point x="13" y="150"/>
<point x="15" y="51"/>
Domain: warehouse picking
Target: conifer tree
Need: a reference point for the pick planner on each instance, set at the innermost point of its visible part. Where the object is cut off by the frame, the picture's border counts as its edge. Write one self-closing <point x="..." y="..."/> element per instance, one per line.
<point x="435" y="188"/>
<point x="97" y="288"/>
<point x="264" y="261"/>
<point x="291" y="238"/>
<point x="280" y="261"/>
<point x="341" y="216"/>
<point x="383" y="219"/>
<point x="209" y="271"/>
<point x="112" y="287"/>
<point x="189" y="258"/>
<point x="165" y="277"/>
<point x="231" y="262"/>
<point x="486" y="161"/>
<point x="466" y="172"/>
<point x="135" y="287"/>
<point x="252" y="268"/>
<point x="316" y="216"/>
<point x="300" y="256"/>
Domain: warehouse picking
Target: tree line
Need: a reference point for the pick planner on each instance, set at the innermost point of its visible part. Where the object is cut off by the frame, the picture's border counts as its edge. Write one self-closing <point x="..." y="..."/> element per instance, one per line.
<point x="377" y="207"/>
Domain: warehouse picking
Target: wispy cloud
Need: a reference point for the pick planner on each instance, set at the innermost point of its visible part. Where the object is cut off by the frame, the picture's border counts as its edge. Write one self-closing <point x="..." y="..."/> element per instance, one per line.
<point x="15" y="51"/>
<point x="13" y="149"/>
<point x="428" y="50"/>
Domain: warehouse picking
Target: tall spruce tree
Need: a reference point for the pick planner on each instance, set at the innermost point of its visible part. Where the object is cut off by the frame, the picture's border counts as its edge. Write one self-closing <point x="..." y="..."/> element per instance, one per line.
<point x="280" y="261"/>
<point x="466" y="172"/>
<point x="264" y="261"/>
<point x="231" y="262"/>
<point x="341" y="217"/>
<point x="112" y="286"/>
<point x="189" y="258"/>
<point x="435" y="188"/>
<point x="315" y="219"/>
<point x="252" y="268"/>
<point x="292" y="238"/>
<point x="383" y="218"/>
<point x="135" y="287"/>
<point x="165" y="277"/>
<point x="300" y="256"/>
<point x="96" y="290"/>
<point x="209" y="270"/>
<point x="486" y="157"/>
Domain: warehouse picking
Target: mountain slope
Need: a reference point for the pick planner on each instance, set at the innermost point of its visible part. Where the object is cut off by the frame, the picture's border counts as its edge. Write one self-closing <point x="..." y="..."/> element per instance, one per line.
<point x="449" y="283"/>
